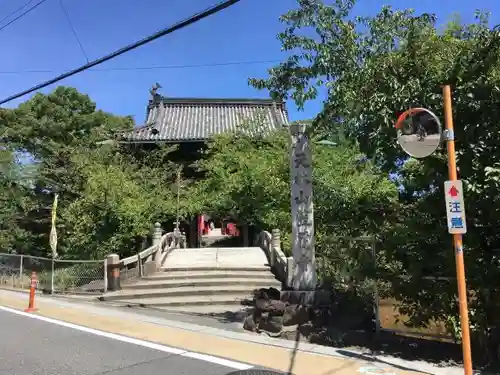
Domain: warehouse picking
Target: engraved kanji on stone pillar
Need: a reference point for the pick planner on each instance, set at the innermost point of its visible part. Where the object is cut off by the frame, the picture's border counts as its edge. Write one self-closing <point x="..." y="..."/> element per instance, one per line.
<point x="304" y="275"/>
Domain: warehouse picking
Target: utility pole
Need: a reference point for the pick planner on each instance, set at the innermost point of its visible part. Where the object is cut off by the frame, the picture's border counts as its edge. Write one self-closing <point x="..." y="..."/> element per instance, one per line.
<point x="420" y="144"/>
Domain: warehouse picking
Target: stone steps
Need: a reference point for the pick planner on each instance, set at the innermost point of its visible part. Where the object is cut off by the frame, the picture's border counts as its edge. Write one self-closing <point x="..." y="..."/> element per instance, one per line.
<point x="200" y="281"/>
<point x="208" y="273"/>
<point x="127" y="294"/>
<point x="189" y="302"/>
<point x="196" y="269"/>
<point x="203" y="282"/>
<point x="224" y="257"/>
<point x="214" y="309"/>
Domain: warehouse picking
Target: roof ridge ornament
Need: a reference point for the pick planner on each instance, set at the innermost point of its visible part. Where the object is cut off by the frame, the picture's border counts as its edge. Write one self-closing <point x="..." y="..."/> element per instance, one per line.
<point x="153" y="91"/>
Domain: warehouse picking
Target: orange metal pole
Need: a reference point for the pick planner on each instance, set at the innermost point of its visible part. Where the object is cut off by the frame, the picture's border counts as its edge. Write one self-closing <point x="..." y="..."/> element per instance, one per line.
<point x="457" y="238"/>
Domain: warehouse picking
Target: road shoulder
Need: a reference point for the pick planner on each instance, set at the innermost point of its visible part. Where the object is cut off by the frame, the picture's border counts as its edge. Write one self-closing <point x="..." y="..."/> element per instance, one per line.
<point x="256" y="350"/>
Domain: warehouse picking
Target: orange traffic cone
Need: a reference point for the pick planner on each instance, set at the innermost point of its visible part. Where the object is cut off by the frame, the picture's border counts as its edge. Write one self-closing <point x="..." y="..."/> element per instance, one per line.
<point x="31" y="303"/>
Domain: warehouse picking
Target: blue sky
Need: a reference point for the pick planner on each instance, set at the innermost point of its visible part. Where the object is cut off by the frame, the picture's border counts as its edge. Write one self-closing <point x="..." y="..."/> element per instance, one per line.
<point x="244" y="33"/>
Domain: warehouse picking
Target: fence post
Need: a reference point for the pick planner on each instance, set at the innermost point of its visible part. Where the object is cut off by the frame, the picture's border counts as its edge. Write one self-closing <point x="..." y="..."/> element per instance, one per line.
<point x="21" y="278"/>
<point x="105" y="288"/>
<point x="139" y="264"/>
<point x="52" y="276"/>
<point x="376" y="306"/>
<point x="157" y="242"/>
<point x="141" y="246"/>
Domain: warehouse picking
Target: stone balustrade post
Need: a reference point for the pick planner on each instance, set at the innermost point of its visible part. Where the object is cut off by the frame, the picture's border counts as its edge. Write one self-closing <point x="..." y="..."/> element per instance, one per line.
<point x="157" y="242"/>
<point x="113" y="272"/>
<point x="275" y="245"/>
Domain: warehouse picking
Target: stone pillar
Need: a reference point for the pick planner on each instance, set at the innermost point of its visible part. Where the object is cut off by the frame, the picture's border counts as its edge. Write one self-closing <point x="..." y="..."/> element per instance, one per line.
<point x="156" y="241"/>
<point x="113" y="273"/>
<point x="304" y="276"/>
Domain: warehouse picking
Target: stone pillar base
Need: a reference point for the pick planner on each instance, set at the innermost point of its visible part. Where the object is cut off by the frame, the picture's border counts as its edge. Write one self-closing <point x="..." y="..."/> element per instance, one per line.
<point x="277" y="312"/>
<point x="314" y="298"/>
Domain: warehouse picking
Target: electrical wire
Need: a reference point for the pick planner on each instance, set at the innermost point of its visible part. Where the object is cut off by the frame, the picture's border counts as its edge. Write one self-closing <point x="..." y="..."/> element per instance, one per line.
<point x="180" y="25"/>
<point x="22" y="14"/>
<point x="17" y="10"/>
<point x="73" y="30"/>
<point x="153" y="67"/>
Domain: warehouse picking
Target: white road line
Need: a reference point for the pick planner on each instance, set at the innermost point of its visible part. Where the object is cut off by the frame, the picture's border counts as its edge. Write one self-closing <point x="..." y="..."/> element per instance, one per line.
<point x="134" y="341"/>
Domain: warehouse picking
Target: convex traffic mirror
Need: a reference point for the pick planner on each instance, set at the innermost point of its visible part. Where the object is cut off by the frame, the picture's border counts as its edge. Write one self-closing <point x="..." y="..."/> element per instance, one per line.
<point x="419" y="132"/>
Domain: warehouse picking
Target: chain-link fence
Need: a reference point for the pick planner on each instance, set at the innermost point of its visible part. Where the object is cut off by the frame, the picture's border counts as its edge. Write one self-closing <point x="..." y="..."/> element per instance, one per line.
<point x="53" y="275"/>
<point x="79" y="276"/>
<point x="11" y="272"/>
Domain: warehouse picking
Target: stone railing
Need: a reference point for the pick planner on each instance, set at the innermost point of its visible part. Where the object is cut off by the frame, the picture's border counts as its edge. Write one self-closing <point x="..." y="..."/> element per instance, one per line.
<point x="281" y="265"/>
<point x="147" y="261"/>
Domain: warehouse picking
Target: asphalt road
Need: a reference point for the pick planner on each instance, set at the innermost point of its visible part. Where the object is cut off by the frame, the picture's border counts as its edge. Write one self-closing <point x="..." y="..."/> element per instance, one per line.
<point x="33" y="347"/>
<point x="419" y="149"/>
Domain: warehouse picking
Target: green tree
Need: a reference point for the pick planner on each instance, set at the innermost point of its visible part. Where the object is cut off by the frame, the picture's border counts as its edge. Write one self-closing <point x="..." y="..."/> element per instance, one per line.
<point x="15" y="200"/>
<point x="50" y="128"/>
<point x="116" y="206"/>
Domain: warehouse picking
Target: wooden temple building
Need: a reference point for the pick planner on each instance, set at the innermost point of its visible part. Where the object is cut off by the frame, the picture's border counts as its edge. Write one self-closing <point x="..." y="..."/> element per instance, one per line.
<point x="190" y="123"/>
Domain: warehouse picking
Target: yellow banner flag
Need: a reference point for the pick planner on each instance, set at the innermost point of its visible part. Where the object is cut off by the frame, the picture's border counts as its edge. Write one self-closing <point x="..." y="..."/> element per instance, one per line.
<point x="53" y="231"/>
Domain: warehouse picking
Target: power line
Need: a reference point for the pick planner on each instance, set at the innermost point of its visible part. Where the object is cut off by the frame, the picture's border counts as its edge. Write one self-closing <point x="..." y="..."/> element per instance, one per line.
<point x="22" y="14"/>
<point x="153" y="67"/>
<point x="180" y="25"/>
<point x="14" y="12"/>
<point x="73" y="30"/>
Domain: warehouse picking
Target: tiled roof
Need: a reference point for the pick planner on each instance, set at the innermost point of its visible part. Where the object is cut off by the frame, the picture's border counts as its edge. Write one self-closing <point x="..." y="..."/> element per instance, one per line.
<point x="197" y="119"/>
